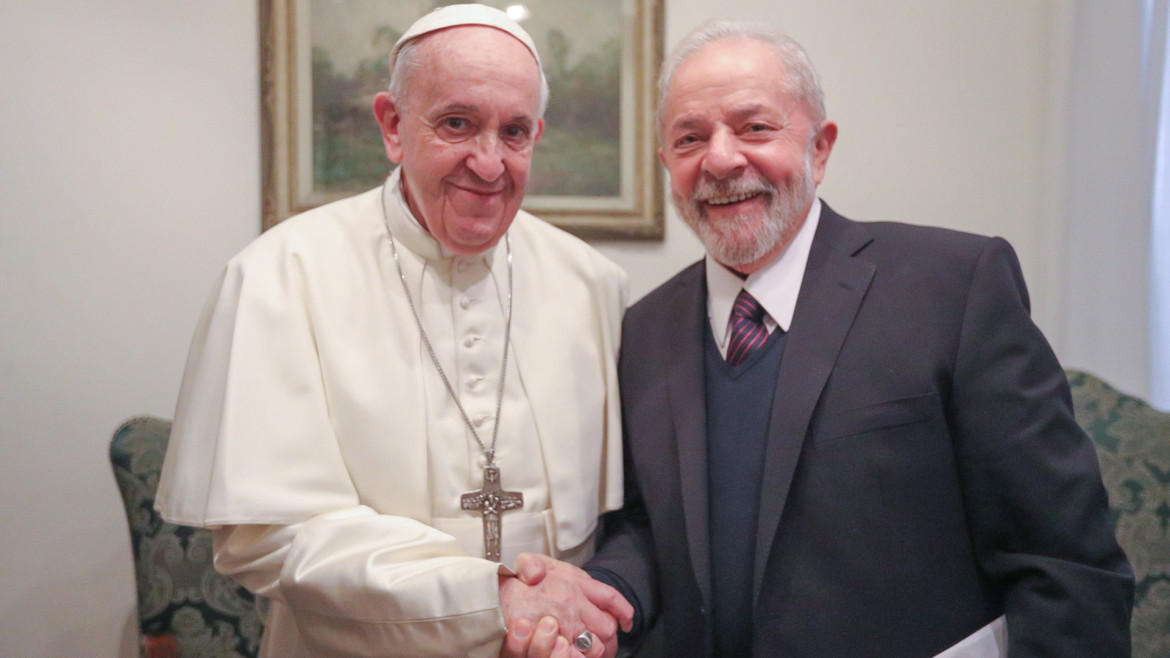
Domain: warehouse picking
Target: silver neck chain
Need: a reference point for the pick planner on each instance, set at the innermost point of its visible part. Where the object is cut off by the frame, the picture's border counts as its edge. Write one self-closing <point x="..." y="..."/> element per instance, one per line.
<point x="489" y="452"/>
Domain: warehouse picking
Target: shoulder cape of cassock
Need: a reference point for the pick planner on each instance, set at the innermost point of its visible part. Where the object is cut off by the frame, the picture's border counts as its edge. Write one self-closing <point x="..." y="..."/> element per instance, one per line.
<point x="302" y="392"/>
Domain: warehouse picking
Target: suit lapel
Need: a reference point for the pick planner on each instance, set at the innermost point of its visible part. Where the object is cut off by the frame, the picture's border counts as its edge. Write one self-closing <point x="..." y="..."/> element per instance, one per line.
<point x="688" y="313"/>
<point x="834" y="284"/>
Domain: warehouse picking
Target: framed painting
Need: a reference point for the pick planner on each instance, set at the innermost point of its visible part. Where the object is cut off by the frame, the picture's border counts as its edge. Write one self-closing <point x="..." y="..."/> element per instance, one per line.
<point x="594" y="172"/>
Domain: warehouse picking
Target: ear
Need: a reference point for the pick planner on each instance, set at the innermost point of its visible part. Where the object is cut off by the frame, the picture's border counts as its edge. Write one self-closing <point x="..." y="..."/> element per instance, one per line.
<point x="822" y="147"/>
<point x="539" y="131"/>
<point x="662" y="157"/>
<point x="389" y="119"/>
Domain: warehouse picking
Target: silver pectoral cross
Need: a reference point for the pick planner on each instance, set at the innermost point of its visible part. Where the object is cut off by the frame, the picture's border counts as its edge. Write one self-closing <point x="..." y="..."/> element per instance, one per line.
<point x="490" y="501"/>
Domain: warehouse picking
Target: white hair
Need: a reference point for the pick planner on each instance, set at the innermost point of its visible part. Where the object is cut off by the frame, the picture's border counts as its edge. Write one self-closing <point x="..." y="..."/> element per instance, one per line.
<point x="802" y="78"/>
<point x="409" y="62"/>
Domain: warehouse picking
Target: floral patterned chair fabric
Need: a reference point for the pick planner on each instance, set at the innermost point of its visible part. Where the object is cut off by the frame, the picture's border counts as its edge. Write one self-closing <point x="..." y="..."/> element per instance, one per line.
<point x="1133" y="444"/>
<point x="185" y="607"/>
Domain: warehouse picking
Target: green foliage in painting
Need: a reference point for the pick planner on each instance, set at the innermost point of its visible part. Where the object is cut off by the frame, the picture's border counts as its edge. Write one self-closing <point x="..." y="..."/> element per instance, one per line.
<point x="579" y="154"/>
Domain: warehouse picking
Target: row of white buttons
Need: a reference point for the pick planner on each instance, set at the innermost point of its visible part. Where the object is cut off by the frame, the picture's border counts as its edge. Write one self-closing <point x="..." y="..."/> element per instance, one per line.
<point x="473" y="382"/>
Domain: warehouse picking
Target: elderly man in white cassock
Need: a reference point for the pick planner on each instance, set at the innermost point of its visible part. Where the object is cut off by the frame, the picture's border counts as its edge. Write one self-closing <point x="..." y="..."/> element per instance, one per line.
<point x="392" y="396"/>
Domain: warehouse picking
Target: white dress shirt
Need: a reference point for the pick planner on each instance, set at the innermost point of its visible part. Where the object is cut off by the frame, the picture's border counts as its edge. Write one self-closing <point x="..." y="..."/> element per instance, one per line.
<point x="775" y="286"/>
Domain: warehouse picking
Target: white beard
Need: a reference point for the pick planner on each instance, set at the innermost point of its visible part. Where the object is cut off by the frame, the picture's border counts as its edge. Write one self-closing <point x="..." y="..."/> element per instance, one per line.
<point x="747" y="237"/>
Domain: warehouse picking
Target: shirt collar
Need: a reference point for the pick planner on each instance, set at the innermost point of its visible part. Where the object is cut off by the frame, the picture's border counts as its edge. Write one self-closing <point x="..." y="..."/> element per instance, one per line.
<point x="776" y="285"/>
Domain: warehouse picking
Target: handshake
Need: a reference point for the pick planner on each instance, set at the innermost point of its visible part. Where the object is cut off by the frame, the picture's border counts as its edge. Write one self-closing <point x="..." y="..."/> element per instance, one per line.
<point x="555" y="610"/>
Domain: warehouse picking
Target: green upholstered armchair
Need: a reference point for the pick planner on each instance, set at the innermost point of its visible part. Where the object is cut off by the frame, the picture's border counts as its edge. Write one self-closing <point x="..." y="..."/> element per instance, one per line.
<point x="1133" y="443"/>
<point x="185" y="608"/>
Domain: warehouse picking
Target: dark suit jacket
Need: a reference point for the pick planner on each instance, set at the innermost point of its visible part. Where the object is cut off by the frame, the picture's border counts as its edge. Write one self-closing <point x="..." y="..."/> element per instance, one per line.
<point x="923" y="471"/>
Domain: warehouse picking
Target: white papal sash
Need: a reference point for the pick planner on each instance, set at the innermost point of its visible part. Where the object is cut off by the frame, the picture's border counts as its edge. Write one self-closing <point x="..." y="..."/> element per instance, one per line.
<point x="987" y="642"/>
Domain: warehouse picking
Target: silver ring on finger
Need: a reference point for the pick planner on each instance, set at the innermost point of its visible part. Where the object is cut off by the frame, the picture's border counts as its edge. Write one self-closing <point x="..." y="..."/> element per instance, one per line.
<point x="584" y="641"/>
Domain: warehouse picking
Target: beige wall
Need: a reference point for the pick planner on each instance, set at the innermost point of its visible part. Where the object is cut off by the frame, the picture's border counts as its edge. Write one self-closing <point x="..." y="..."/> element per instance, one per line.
<point x="128" y="148"/>
<point x="128" y="153"/>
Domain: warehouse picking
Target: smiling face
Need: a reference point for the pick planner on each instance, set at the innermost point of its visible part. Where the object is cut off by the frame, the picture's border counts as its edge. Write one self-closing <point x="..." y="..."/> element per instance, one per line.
<point x="743" y="153"/>
<point x="464" y="134"/>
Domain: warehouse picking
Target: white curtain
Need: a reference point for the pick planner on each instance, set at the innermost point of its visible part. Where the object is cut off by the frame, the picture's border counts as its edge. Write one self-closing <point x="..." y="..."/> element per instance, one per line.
<point x="1158" y="99"/>
<point x="1115" y="294"/>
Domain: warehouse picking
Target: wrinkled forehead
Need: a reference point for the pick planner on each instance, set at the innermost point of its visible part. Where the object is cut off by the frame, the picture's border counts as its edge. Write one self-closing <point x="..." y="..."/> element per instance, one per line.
<point x="727" y="75"/>
<point x="731" y="60"/>
<point x="472" y="69"/>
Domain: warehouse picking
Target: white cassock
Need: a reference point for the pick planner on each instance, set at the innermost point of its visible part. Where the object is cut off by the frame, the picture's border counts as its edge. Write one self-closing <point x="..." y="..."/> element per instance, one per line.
<point x="314" y="433"/>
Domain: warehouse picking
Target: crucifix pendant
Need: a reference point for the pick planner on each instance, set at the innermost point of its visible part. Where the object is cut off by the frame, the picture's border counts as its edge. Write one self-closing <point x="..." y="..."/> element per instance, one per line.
<point x="490" y="501"/>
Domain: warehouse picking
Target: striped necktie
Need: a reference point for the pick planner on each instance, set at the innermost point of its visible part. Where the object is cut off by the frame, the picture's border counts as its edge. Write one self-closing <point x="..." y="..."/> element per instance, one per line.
<point x="747" y="328"/>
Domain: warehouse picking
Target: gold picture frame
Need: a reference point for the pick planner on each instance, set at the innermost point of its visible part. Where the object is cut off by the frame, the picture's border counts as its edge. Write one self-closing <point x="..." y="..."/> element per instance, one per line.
<point x="595" y="172"/>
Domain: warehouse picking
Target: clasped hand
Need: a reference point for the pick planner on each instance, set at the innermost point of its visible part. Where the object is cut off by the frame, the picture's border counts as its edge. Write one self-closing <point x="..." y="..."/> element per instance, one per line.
<point x="550" y="603"/>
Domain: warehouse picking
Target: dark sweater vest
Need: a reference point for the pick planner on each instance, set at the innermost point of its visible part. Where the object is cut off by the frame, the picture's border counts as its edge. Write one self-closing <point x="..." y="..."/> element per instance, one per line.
<point x="739" y="407"/>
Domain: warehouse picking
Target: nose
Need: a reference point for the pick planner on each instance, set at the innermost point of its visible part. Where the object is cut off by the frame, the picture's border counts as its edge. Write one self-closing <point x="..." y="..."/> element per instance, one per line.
<point x="486" y="159"/>
<point x="723" y="157"/>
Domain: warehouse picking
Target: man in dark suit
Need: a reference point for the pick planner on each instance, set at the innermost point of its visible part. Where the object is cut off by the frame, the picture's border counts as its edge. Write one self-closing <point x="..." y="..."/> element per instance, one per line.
<point x="842" y="438"/>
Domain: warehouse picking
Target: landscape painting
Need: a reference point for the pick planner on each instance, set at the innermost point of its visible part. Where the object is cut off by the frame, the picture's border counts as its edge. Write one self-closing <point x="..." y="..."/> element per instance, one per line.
<point x="594" y="172"/>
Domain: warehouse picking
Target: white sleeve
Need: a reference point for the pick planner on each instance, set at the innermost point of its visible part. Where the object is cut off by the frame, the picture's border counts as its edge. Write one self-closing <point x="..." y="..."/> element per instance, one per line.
<point x="361" y="583"/>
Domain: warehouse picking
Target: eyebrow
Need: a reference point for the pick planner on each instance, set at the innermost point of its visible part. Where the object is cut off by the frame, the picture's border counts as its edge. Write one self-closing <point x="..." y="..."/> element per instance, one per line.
<point x="736" y="115"/>
<point x="464" y="108"/>
<point x="688" y="123"/>
<point x="467" y="108"/>
<point x="521" y="118"/>
<point x="739" y="114"/>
